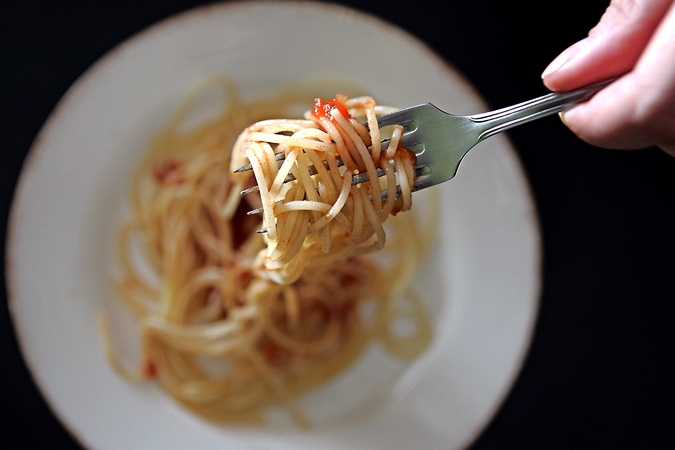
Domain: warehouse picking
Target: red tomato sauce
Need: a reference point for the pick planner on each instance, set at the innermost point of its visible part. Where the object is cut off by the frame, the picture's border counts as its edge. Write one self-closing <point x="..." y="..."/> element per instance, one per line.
<point x="324" y="108"/>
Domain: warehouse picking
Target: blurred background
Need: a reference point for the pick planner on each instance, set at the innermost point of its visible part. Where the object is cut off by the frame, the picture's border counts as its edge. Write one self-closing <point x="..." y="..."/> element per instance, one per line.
<point x="599" y="371"/>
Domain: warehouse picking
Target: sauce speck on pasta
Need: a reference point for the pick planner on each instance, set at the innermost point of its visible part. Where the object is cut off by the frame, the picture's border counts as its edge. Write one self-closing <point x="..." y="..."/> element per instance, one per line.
<point x="324" y="108"/>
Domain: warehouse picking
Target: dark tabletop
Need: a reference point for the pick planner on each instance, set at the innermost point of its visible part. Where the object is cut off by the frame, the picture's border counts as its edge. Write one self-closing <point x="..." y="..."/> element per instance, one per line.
<point x="599" y="373"/>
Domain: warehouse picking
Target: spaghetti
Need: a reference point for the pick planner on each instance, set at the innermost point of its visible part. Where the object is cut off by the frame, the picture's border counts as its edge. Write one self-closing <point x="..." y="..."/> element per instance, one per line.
<point x="322" y="218"/>
<point x="233" y="320"/>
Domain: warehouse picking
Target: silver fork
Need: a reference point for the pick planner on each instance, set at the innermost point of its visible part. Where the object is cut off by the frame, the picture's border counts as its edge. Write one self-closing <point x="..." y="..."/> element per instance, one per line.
<point x="440" y="140"/>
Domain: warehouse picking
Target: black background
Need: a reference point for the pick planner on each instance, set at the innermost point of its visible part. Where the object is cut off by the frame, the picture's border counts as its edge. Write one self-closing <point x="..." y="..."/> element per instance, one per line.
<point x="599" y="372"/>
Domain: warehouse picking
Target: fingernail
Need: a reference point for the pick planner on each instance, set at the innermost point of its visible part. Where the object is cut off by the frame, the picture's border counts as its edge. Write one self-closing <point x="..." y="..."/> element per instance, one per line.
<point x="569" y="116"/>
<point x="565" y="57"/>
<point x="562" y="117"/>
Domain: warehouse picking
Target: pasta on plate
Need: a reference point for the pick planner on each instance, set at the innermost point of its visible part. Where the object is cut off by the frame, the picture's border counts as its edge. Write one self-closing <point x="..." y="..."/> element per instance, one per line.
<point x="237" y="311"/>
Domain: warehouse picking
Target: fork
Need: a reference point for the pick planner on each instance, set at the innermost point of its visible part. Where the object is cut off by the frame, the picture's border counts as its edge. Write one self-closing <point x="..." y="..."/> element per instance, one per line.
<point x="441" y="140"/>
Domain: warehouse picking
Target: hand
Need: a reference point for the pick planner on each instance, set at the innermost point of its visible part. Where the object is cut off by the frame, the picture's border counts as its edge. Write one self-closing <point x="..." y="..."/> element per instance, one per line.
<point x="634" y="40"/>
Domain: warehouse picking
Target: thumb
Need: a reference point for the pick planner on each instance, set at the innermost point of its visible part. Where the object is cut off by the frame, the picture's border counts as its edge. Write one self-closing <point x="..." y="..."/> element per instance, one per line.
<point x="636" y="110"/>
<point x="612" y="47"/>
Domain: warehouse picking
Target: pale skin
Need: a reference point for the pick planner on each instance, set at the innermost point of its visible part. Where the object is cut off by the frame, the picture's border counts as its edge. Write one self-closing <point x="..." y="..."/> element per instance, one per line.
<point x="634" y="41"/>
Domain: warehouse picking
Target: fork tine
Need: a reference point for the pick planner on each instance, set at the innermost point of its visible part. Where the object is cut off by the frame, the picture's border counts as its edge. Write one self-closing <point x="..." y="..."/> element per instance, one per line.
<point x="278" y="156"/>
<point x="289" y="177"/>
<point x="244" y="168"/>
<point x="252" y="189"/>
<point x="407" y="118"/>
<point x="402" y="117"/>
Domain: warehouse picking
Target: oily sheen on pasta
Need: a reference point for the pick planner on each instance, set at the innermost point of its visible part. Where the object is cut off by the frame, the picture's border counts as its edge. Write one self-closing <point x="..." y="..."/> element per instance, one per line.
<point x="238" y="312"/>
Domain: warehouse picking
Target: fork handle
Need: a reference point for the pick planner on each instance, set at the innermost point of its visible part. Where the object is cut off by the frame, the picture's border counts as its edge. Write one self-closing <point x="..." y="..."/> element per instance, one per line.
<point x="502" y="119"/>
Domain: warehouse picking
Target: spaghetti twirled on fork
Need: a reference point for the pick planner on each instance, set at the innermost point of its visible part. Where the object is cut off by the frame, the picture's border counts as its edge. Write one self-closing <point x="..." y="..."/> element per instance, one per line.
<point x="323" y="217"/>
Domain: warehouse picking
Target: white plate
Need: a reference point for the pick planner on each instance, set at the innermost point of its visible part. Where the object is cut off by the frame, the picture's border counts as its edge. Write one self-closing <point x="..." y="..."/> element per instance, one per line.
<point x="481" y="282"/>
